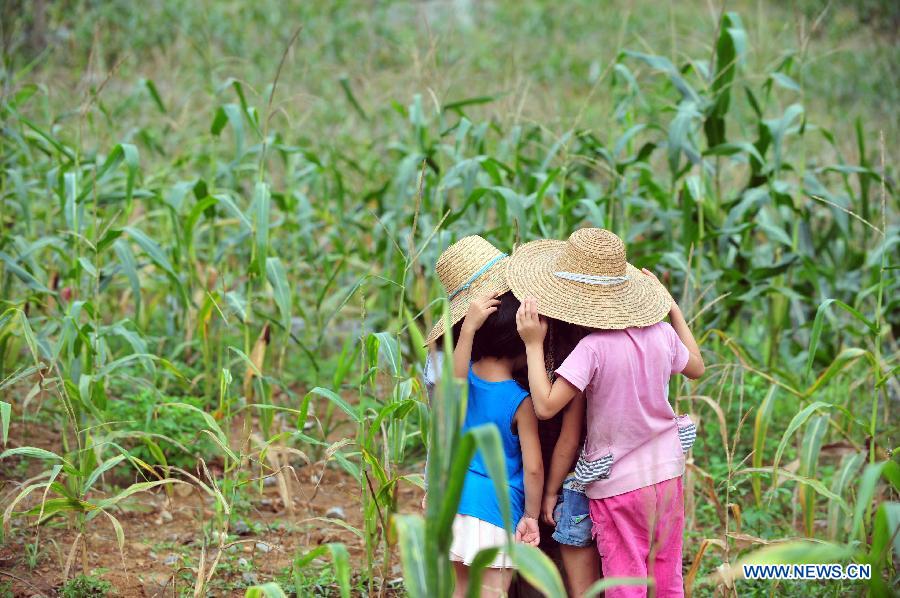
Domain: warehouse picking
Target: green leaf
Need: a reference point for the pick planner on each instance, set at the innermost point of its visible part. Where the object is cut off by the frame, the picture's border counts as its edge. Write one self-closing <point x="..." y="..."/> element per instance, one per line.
<point x="809" y="459"/>
<point x="266" y="590"/>
<point x="154" y="94"/>
<point x="819" y="323"/>
<point x="24" y="275"/>
<point x="797" y="421"/>
<point x="340" y="560"/>
<point x="484" y="558"/>
<point x="849" y="468"/>
<point x="129" y="265"/>
<point x="334" y="398"/>
<point x="134" y="489"/>
<point x="277" y="277"/>
<point x="602" y="585"/>
<point x="261" y="203"/>
<point x="211" y="422"/>
<point x="760" y="430"/>
<point x="99" y="471"/>
<point x="812" y="483"/>
<point x="231" y="114"/>
<point x="797" y="552"/>
<point x="537" y="568"/>
<point x="389" y="349"/>
<point x="34" y="453"/>
<point x="53" y="506"/>
<point x="411" y="539"/>
<point x="5" y="417"/>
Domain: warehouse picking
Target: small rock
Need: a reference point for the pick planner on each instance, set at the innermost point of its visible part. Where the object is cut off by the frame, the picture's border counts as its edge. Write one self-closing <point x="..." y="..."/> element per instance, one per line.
<point x="336" y="513"/>
<point x="242" y="563"/>
<point x="170" y="560"/>
<point x="165" y="516"/>
<point x="265" y="502"/>
<point x="263" y="547"/>
<point x="249" y="578"/>
<point x="241" y="528"/>
<point x="270" y="481"/>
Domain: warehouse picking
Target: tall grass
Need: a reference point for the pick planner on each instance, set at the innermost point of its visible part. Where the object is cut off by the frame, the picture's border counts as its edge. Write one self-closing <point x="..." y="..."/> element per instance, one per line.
<point x="286" y="280"/>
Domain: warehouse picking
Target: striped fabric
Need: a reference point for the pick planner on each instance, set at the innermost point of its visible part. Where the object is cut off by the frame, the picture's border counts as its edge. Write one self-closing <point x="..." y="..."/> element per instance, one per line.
<point x="687" y="433"/>
<point x="588" y="472"/>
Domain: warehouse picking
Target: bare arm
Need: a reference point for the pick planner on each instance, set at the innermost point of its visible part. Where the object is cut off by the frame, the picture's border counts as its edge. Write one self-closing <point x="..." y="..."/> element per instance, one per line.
<point x="695" y="366"/>
<point x="479" y="311"/>
<point x="462" y="352"/>
<point x="533" y="468"/>
<point x="564" y="454"/>
<point x="548" y="399"/>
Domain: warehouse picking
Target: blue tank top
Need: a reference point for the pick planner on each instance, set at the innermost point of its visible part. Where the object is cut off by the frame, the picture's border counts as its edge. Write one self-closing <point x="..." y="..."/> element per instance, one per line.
<point x="495" y="403"/>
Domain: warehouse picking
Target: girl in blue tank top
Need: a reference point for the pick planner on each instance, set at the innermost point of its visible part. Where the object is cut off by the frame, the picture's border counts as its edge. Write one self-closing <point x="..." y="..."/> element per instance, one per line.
<point x="488" y="352"/>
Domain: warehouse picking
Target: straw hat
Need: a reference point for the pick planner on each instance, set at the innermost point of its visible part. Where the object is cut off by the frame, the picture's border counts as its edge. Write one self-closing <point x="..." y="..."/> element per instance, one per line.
<point x="586" y="281"/>
<point x="468" y="269"/>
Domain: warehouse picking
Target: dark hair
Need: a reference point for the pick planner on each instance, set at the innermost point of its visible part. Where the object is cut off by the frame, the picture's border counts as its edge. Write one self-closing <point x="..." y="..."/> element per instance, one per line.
<point x="498" y="336"/>
<point x="561" y="340"/>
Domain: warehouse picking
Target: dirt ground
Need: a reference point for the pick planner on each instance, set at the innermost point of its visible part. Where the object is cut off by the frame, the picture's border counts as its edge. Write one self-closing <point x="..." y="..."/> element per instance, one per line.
<point x="165" y="535"/>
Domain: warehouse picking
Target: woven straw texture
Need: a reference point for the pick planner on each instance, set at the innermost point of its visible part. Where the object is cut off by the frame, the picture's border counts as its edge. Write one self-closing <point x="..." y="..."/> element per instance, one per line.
<point x="456" y="266"/>
<point x="638" y="300"/>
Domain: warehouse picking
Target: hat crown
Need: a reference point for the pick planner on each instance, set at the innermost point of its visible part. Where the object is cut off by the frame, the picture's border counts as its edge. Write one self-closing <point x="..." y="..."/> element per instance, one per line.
<point x="460" y="261"/>
<point x="593" y="251"/>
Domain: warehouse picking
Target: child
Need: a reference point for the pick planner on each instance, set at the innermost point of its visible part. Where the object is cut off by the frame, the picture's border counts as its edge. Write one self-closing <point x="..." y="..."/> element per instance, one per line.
<point x="471" y="267"/>
<point x="488" y="353"/>
<point x="633" y="456"/>
<point x="565" y="506"/>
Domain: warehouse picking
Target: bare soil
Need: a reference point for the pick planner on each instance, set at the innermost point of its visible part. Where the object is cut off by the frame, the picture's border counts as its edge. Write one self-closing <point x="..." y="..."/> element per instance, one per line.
<point x="165" y="534"/>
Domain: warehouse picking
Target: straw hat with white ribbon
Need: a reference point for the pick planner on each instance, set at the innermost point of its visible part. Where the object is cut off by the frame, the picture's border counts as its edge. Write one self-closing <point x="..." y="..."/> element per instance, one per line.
<point x="469" y="269"/>
<point x="587" y="281"/>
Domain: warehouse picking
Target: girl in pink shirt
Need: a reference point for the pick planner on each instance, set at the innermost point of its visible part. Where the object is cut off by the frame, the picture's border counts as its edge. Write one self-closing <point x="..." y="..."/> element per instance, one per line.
<point x="633" y="457"/>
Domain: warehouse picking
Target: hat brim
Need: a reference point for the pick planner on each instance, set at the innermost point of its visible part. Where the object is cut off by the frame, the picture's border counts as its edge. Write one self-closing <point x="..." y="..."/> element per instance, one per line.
<point x="493" y="281"/>
<point x="639" y="301"/>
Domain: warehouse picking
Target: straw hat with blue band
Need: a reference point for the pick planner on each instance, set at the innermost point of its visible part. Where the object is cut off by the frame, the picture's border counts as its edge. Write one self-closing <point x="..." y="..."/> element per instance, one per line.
<point x="587" y="281"/>
<point x="468" y="269"/>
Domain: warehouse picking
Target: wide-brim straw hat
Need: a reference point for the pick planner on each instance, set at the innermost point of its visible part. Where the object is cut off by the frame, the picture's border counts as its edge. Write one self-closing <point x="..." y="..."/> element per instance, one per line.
<point x="587" y="281"/>
<point x="469" y="269"/>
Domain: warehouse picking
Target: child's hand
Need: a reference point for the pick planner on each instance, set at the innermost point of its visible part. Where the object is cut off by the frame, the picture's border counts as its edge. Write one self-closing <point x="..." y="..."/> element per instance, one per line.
<point x="527" y="531"/>
<point x="548" y="505"/>
<point x="532" y="327"/>
<point x="479" y="310"/>
<point x="647" y="272"/>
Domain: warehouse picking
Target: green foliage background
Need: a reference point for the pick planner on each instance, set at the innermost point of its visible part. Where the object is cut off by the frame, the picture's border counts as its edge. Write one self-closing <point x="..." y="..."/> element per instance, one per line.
<point x="202" y="211"/>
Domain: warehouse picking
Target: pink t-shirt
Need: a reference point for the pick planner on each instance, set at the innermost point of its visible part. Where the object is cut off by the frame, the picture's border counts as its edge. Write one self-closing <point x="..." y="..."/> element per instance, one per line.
<point x="625" y="377"/>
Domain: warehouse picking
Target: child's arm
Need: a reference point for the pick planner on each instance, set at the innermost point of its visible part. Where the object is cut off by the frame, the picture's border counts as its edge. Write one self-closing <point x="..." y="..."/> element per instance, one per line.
<point x="564" y="454"/>
<point x="548" y="400"/>
<point x="479" y="310"/>
<point x="533" y="466"/>
<point x="695" y="367"/>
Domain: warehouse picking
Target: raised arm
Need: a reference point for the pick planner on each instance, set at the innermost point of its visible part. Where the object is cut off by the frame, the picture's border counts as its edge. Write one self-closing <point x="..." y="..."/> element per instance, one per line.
<point x="564" y="454"/>
<point x="548" y="399"/>
<point x="695" y="366"/>
<point x="479" y="311"/>
<point x="533" y="466"/>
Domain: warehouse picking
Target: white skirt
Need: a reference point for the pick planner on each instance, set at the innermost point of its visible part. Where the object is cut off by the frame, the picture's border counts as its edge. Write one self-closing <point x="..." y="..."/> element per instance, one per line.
<point x="471" y="535"/>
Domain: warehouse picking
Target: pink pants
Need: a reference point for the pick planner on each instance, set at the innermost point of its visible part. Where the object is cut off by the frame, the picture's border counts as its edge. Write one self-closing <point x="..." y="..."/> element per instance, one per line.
<point x="639" y="534"/>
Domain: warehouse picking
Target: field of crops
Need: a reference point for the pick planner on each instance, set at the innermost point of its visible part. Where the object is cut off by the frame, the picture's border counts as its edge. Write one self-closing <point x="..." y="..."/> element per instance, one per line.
<point x="219" y="225"/>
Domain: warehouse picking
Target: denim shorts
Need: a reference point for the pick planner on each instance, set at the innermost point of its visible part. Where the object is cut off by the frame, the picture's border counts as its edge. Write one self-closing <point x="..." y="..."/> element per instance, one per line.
<point x="573" y="519"/>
